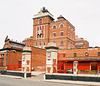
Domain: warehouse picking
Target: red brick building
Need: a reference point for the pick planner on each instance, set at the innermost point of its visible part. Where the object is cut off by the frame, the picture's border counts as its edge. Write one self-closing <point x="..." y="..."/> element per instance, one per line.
<point x="11" y="57"/>
<point x="81" y="43"/>
<point x="46" y="30"/>
<point x="88" y="59"/>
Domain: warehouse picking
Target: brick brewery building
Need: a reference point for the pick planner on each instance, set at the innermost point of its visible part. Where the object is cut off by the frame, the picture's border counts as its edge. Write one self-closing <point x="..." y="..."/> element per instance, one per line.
<point x="46" y="30"/>
<point x="73" y="51"/>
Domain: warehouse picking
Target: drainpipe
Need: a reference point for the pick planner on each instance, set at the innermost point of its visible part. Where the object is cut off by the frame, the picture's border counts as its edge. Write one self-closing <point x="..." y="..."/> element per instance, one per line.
<point x="6" y="59"/>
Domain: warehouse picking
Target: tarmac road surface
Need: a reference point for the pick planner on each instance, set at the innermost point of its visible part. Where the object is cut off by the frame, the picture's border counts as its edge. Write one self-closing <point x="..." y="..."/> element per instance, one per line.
<point x="6" y="81"/>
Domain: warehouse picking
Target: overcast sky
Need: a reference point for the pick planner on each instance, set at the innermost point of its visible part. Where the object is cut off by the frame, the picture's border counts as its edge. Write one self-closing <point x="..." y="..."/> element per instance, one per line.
<point x="16" y="17"/>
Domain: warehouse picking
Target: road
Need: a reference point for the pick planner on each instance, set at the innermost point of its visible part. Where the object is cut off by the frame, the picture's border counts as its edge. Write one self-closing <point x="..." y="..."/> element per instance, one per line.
<point x="5" y="81"/>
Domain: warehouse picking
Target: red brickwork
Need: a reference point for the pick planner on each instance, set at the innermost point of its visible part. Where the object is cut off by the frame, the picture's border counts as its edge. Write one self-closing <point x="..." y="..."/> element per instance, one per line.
<point x="68" y="36"/>
<point x="88" y="59"/>
<point x="38" y="59"/>
<point x="13" y="60"/>
<point x="81" y="43"/>
<point x="29" y="42"/>
<point x="64" y="32"/>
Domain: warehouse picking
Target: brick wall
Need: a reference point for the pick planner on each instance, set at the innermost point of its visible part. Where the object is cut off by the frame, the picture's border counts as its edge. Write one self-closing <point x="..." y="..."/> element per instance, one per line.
<point x="38" y="59"/>
<point x="66" y="58"/>
<point x="80" y="53"/>
<point x="13" y="60"/>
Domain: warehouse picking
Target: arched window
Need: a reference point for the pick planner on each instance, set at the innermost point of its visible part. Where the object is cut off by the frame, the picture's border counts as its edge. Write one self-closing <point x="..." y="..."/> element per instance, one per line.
<point x="61" y="26"/>
<point x="54" y="27"/>
<point x="40" y="21"/>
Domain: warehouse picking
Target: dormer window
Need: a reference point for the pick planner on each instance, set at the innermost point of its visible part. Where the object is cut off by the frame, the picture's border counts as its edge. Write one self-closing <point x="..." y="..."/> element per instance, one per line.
<point x="40" y="21"/>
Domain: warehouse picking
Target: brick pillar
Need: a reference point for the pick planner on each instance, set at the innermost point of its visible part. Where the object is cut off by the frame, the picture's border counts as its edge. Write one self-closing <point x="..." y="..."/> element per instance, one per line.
<point x="26" y="59"/>
<point x="75" y="67"/>
<point x="51" y="58"/>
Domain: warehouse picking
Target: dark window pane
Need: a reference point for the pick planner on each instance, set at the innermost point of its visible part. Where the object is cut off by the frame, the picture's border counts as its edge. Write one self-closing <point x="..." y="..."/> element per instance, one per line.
<point x="75" y="55"/>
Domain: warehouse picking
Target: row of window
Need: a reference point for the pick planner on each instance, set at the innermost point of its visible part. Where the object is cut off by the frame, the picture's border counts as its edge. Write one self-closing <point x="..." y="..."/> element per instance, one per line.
<point x="86" y="54"/>
<point x="62" y="34"/>
<point x="75" y="54"/>
<point x="1" y="55"/>
<point x="54" y="26"/>
<point x="40" y="43"/>
<point x="61" y="43"/>
<point x="61" y="26"/>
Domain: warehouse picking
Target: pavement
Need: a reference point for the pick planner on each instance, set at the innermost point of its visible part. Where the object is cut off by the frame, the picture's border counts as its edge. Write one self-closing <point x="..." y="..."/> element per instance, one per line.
<point x="38" y="78"/>
<point x="75" y="82"/>
<point x="11" y="76"/>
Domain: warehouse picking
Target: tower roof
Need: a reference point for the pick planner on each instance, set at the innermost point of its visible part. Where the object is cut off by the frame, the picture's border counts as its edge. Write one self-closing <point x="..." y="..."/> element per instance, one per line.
<point x="43" y="12"/>
<point x="60" y="18"/>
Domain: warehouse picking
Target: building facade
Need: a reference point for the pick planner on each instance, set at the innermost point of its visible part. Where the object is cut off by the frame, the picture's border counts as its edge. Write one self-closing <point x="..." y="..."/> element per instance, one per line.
<point x="46" y="30"/>
<point x="16" y="57"/>
<point x="81" y="43"/>
<point x="87" y="58"/>
<point x="34" y="54"/>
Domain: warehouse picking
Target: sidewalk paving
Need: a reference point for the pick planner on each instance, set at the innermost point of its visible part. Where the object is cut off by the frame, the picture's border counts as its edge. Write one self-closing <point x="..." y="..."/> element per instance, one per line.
<point x="9" y="76"/>
<point x="56" y="81"/>
<point x="74" y="82"/>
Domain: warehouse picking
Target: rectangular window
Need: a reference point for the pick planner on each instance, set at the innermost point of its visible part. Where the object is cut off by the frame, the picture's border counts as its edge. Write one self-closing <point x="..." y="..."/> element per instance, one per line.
<point x="64" y="55"/>
<point x="68" y="33"/>
<point x="54" y="41"/>
<point x="75" y="55"/>
<point x="40" y="21"/>
<point x="54" y="34"/>
<point x="86" y="54"/>
<point x="61" y="33"/>
<point x="43" y="43"/>
<point x="98" y="53"/>
<point x="61" y="42"/>
<point x="35" y="43"/>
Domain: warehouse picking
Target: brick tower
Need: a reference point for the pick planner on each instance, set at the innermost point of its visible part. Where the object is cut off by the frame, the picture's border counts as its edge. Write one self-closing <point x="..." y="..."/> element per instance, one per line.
<point x="46" y="30"/>
<point x="41" y="26"/>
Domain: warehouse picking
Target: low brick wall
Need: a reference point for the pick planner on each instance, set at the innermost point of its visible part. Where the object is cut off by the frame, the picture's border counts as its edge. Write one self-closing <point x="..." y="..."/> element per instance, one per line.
<point x="89" y="78"/>
<point x="15" y="73"/>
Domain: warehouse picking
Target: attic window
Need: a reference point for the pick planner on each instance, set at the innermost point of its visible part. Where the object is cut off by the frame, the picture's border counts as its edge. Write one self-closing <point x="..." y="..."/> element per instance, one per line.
<point x="40" y="21"/>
